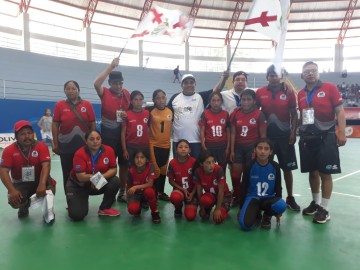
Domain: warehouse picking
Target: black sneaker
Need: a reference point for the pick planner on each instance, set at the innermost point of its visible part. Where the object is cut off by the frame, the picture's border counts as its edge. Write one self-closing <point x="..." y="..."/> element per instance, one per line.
<point x="178" y="212"/>
<point x="23" y="212"/>
<point x="291" y="204"/>
<point x="156" y="217"/>
<point x="311" y="209"/>
<point x="266" y="221"/>
<point x="321" y="215"/>
<point x="163" y="197"/>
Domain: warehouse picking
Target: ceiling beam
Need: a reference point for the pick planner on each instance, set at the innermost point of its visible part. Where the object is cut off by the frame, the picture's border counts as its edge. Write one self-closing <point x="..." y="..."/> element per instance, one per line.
<point x="24" y="6"/>
<point x="146" y="9"/>
<point x="193" y="13"/>
<point x="89" y="14"/>
<point x="346" y="21"/>
<point x="234" y="19"/>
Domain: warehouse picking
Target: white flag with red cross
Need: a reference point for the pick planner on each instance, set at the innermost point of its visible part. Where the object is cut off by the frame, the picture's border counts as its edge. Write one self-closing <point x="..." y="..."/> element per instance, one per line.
<point x="264" y="17"/>
<point x="164" y="22"/>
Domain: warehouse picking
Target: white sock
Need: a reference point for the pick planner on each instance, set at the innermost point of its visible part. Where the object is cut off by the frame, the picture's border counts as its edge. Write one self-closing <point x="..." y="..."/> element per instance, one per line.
<point x="316" y="197"/>
<point x="324" y="203"/>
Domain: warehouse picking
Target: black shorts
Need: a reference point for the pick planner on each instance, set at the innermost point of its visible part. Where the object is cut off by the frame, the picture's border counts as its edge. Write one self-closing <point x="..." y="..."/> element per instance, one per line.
<point x="115" y="144"/>
<point x="319" y="152"/>
<point x="159" y="158"/>
<point x="285" y="154"/>
<point x="243" y="154"/>
<point x="219" y="154"/>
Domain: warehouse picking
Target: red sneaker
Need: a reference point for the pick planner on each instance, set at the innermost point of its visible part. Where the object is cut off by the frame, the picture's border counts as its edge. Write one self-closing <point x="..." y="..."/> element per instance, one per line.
<point x="111" y="212"/>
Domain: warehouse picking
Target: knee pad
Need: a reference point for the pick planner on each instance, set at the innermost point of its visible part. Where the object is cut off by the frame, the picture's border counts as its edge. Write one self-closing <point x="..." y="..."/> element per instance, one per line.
<point x="177" y="198"/>
<point x="190" y="212"/>
<point x="134" y="208"/>
<point x="149" y="194"/>
<point x="279" y="207"/>
<point x="207" y="200"/>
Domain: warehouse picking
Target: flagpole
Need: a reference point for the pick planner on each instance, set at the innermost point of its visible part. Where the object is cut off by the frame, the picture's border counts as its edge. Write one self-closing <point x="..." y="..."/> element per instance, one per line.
<point x="237" y="44"/>
<point x="123" y="47"/>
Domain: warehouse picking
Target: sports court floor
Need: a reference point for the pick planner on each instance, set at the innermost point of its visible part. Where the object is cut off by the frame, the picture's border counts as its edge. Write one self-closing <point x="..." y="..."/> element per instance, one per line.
<point x="135" y="243"/>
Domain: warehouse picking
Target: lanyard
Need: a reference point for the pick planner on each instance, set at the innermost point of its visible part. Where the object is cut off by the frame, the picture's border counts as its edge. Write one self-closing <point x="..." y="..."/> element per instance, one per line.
<point x="93" y="160"/>
<point x="237" y="100"/>
<point x="310" y="98"/>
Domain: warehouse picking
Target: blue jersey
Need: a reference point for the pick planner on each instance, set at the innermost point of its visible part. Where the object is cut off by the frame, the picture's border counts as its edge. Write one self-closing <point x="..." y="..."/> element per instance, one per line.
<point x="261" y="181"/>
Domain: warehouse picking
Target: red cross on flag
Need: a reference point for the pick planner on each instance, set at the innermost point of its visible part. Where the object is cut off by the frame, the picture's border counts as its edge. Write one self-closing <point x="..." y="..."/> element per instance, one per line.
<point x="264" y="17"/>
<point x="164" y="22"/>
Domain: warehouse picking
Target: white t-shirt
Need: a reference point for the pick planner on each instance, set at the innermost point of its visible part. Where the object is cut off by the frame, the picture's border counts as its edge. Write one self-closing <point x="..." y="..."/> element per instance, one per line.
<point x="229" y="103"/>
<point x="187" y="112"/>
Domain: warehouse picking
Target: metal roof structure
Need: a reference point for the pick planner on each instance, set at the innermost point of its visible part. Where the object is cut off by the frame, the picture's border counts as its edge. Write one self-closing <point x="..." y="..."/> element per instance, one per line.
<point x="331" y="20"/>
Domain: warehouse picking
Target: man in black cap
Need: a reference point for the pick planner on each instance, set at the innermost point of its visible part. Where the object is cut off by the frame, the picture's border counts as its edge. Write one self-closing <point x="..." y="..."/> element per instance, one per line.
<point x="277" y="100"/>
<point x="114" y="102"/>
<point x="25" y="169"/>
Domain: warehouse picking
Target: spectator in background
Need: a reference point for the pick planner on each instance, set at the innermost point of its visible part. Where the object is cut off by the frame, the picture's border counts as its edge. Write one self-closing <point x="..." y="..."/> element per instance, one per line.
<point x="319" y="103"/>
<point x="115" y="100"/>
<point x="177" y="74"/>
<point x="73" y="117"/>
<point x="44" y="124"/>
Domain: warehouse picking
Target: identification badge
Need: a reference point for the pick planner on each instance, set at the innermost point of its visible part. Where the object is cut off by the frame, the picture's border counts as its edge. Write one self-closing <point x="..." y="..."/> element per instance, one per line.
<point x="28" y="174"/>
<point x="308" y="117"/>
<point x="118" y="116"/>
<point x="98" y="180"/>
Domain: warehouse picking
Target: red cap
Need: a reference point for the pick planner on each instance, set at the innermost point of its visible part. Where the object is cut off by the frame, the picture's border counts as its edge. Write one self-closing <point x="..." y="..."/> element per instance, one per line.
<point x="20" y="124"/>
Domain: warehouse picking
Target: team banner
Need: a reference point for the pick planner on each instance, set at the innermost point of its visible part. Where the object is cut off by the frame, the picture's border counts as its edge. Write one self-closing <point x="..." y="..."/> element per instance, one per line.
<point x="6" y="139"/>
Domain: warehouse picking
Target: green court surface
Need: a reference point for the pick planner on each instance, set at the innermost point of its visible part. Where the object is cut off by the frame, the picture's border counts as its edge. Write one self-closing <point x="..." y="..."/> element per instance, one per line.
<point x="126" y="242"/>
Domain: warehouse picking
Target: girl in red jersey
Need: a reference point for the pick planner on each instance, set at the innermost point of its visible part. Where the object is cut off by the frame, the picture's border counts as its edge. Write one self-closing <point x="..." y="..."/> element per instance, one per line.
<point x="140" y="185"/>
<point x="248" y="125"/>
<point x="210" y="177"/>
<point x="134" y="132"/>
<point x="215" y="130"/>
<point x="181" y="178"/>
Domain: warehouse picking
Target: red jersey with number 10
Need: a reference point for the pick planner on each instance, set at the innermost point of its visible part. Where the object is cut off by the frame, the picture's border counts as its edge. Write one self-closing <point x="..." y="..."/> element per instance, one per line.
<point x="215" y="124"/>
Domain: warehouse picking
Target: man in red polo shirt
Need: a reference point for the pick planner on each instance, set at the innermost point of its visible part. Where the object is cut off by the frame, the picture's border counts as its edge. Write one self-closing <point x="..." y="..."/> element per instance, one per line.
<point x="278" y="102"/>
<point x="25" y="168"/>
<point x="319" y="103"/>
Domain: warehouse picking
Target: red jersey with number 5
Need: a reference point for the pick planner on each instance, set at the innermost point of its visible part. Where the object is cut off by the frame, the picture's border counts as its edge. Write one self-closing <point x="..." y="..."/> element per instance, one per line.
<point x="182" y="173"/>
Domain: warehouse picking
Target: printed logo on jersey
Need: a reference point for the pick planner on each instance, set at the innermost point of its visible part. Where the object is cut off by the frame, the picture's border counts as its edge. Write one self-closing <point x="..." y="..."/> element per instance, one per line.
<point x="190" y="171"/>
<point x="283" y="97"/>
<point x="35" y="154"/>
<point x="169" y="116"/>
<point x="16" y="154"/>
<point x="252" y="121"/>
<point x="146" y="120"/>
<point x="271" y="177"/>
<point x="321" y="94"/>
<point x="222" y="121"/>
<point x="215" y="182"/>
<point x="106" y="160"/>
<point x="83" y="109"/>
<point x="77" y="167"/>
